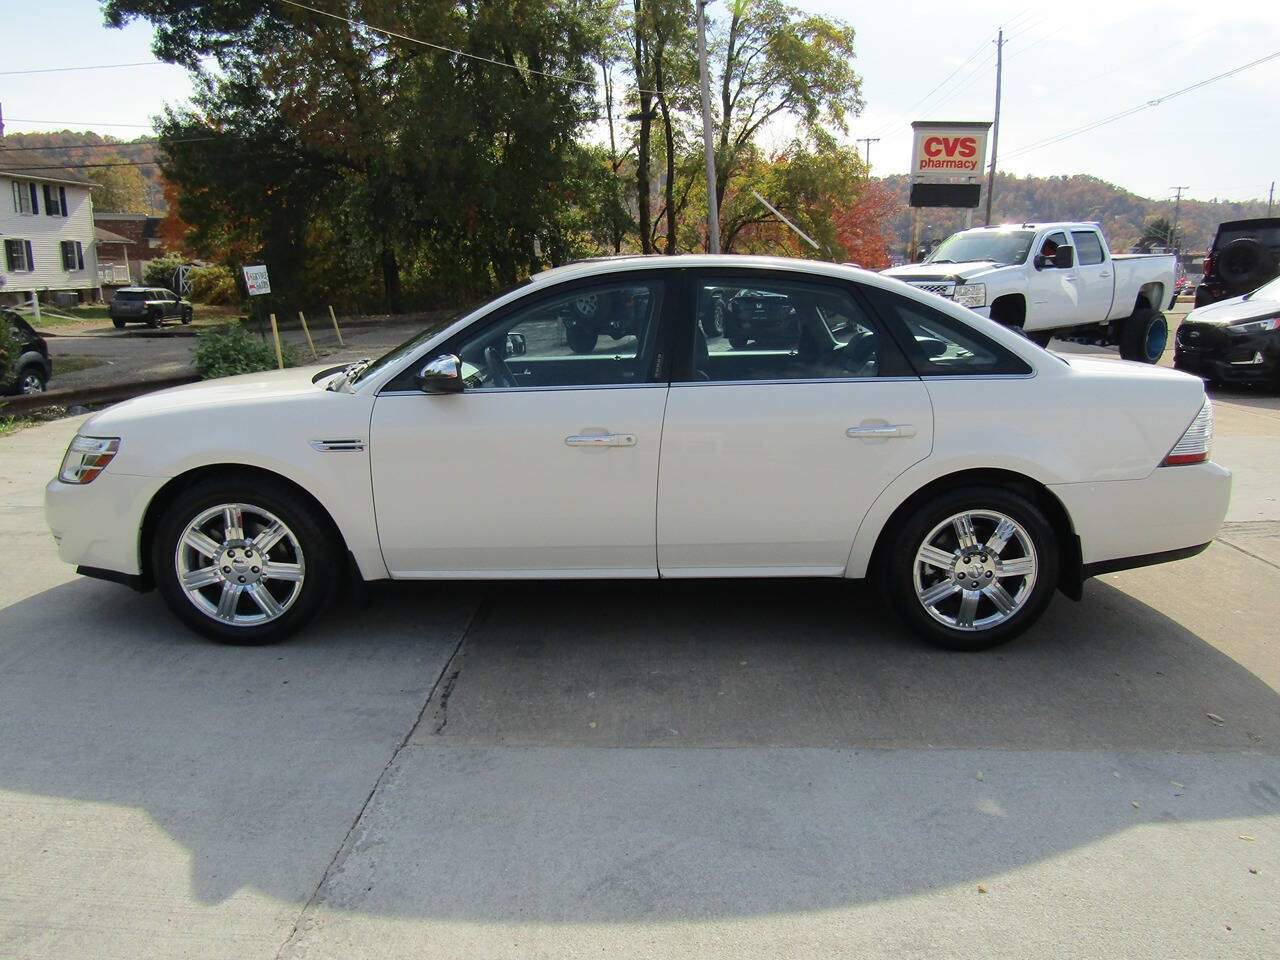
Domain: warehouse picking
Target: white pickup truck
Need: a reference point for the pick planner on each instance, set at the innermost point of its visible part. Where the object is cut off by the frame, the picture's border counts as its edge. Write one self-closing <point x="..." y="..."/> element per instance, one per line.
<point x="1054" y="279"/>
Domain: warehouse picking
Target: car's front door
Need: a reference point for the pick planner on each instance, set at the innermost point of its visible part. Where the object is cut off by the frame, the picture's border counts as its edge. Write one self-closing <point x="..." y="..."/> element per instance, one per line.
<point x="546" y="464"/>
<point x="1051" y="290"/>
<point x="772" y="454"/>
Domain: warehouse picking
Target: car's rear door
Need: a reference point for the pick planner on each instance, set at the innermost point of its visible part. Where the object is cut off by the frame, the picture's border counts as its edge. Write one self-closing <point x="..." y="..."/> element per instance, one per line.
<point x="546" y="464"/>
<point x="772" y="455"/>
<point x="1095" y="280"/>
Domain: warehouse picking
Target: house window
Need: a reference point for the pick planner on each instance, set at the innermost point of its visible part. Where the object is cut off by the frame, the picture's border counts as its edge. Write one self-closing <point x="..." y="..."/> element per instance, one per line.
<point x="24" y="197"/>
<point x="55" y="201"/>
<point x="72" y="255"/>
<point x="17" y="256"/>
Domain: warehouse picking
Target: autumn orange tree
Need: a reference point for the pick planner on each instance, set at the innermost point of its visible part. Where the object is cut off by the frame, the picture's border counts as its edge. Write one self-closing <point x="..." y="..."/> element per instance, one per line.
<point x="865" y="226"/>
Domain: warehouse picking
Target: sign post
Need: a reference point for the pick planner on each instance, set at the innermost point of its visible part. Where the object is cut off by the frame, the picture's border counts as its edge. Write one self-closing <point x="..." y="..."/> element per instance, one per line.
<point x="947" y="160"/>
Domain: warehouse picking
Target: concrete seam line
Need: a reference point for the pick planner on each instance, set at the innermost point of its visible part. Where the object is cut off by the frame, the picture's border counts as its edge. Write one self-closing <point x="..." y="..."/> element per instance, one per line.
<point x="1248" y="553"/>
<point x="345" y="845"/>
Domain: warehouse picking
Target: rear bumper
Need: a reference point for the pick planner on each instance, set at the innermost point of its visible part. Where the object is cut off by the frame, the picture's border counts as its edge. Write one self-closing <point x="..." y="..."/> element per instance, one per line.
<point x="1174" y="512"/>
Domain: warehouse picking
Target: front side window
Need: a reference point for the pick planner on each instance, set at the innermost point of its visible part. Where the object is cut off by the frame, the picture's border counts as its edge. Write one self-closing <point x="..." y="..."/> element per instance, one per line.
<point x="941" y="346"/>
<point x="1088" y="247"/>
<point x="598" y="335"/>
<point x="778" y="329"/>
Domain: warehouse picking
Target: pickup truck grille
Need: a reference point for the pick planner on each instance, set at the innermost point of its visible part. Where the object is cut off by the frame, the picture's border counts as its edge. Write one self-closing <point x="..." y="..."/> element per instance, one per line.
<point x="943" y="289"/>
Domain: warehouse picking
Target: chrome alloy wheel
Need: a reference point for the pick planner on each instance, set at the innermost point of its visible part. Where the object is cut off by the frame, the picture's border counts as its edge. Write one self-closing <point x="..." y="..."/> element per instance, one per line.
<point x="32" y="383"/>
<point x="239" y="564"/>
<point x="586" y="306"/>
<point x="975" y="570"/>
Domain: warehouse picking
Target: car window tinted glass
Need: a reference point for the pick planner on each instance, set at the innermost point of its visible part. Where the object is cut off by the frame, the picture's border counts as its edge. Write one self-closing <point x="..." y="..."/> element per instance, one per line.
<point x="129" y="295"/>
<point x="769" y="329"/>
<point x="598" y="335"/>
<point x="1088" y="247"/>
<point x="938" y="345"/>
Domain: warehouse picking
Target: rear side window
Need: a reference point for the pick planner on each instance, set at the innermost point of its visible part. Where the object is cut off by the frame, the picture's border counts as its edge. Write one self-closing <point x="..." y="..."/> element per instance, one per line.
<point x="941" y="346"/>
<point x="1088" y="247"/>
<point x="129" y="295"/>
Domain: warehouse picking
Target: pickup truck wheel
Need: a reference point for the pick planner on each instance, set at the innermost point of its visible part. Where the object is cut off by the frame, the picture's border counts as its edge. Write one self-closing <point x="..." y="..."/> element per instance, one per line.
<point x="243" y="563"/>
<point x="118" y="324"/>
<point x="1144" y="336"/>
<point x="31" y="380"/>
<point x="1040" y="338"/>
<point x="972" y="569"/>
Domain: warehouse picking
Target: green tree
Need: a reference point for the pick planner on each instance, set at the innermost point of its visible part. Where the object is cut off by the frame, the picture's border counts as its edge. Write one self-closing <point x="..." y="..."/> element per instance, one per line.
<point x="121" y="189"/>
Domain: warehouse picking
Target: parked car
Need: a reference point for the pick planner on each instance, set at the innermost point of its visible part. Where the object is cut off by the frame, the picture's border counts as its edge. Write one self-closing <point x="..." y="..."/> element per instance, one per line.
<point x="1054" y="279"/>
<point x="901" y="437"/>
<point x="149" y="305"/>
<point x="1244" y="255"/>
<point x="593" y="315"/>
<point x="758" y="315"/>
<point x="1236" y="340"/>
<point x="34" y="369"/>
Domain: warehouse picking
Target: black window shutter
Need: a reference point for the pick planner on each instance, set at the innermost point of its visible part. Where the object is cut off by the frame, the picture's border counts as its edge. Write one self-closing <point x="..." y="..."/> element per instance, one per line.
<point x="35" y="207"/>
<point x="79" y="255"/>
<point x="31" y="262"/>
<point x="48" y="201"/>
<point x="8" y="254"/>
<point x="62" y="199"/>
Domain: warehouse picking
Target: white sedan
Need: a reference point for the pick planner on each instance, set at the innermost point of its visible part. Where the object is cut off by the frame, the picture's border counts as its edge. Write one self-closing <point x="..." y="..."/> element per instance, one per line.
<point x="860" y="429"/>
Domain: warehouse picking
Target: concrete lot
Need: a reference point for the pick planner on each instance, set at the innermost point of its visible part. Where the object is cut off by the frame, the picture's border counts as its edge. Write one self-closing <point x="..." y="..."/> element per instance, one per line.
<point x="649" y="769"/>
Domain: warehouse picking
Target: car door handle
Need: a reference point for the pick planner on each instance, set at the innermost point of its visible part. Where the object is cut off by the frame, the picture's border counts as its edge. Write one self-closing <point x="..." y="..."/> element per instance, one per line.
<point x="882" y="431"/>
<point x="601" y="440"/>
<point x="1105" y="276"/>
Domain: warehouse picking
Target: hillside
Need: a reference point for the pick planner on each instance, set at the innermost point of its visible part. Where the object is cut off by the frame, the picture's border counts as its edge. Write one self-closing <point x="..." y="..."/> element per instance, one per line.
<point x="1079" y="197"/>
<point x="138" y="187"/>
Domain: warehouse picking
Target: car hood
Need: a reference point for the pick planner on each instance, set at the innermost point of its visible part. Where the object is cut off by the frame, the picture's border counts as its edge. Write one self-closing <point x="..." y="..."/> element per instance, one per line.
<point x="942" y="271"/>
<point x="1235" y="309"/>
<point x="225" y="392"/>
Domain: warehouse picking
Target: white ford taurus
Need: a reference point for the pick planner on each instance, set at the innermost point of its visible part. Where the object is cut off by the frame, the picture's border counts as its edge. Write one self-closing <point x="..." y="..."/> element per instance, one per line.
<point x="597" y="422"/>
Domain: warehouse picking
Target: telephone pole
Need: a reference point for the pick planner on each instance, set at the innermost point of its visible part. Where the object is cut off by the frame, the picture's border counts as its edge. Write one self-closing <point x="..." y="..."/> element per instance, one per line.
<point x="995" y="132"/>
<point x="713" y="211"/>
<point x="1177" y="203"/>
<point x="1270" y="196"/>
<point x="866" y="153"/>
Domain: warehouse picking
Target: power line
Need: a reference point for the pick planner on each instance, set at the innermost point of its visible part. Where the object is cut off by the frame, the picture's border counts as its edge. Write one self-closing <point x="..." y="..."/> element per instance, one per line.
<point x="87" y="166"/>
<point x="123" y="144"/>
<point x="98" y="66"/>
<point x="1050" y="141"/>
<point x="80" y="123"/>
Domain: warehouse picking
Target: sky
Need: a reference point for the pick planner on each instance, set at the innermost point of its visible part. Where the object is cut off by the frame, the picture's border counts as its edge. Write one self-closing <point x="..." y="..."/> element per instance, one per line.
<point x="1065" y="66"/>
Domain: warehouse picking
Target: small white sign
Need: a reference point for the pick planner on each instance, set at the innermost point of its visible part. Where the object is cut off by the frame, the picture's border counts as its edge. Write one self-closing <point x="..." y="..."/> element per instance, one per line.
<point x="256" y="279"/>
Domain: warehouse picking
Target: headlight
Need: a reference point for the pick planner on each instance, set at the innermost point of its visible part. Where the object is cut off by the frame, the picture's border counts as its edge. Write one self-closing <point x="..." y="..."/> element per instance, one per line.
<point x="1258" y="326"/>
<point x="971" y="294"/>
<point x="87" y="457"/>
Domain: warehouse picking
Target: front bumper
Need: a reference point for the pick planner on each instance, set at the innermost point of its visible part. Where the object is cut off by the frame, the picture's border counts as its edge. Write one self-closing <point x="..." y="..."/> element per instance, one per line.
<point x="1218" y="353"/>
<point x="1172" y="510"/>
<point x="98" y="524"/>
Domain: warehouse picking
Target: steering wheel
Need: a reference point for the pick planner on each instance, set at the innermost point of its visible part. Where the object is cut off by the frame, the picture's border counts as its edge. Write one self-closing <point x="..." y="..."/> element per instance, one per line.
<point x="498" y="368"/>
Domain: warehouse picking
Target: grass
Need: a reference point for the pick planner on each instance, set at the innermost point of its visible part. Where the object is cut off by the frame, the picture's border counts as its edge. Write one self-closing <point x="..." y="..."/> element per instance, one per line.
<point x="75" y="364"/>
<point x="10" y="425"/>
<point x="96" y="313"/>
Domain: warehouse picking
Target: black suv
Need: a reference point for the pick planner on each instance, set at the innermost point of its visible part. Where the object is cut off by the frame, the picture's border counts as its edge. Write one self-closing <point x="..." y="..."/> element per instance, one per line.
<point x="34" y="368"/>
<point x="149" y="305"/>
<point x="1245" y="255"/>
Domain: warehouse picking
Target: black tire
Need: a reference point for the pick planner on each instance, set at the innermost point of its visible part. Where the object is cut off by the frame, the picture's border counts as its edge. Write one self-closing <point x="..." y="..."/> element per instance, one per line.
<point x="319" y="544"/>
<point x="155" y="319"/>
<point x="31" y="380"/>
<point x="186" y="315"/>
<point x="713" y="320"/>
<point x="1245" y="264"/>
<point x="1144" y="336"/>
<point x="1040" y="338"/>
<point x="117" y="323"/>
<point x="738" y="343"/>
<point x="897" y="574"/>
<point x="581" y="339"/>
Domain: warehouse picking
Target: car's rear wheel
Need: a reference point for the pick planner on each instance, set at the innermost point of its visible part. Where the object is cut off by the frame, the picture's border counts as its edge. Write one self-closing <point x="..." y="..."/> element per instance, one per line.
<point x="155" y="319"/>
<point x="31" y="380"/>
<point x="117" y="323"/>
<point x="186" y="315"/>
<point x="1144" y="336"/>
<point x="972" y="569"/>
<point x="244" y="562"/>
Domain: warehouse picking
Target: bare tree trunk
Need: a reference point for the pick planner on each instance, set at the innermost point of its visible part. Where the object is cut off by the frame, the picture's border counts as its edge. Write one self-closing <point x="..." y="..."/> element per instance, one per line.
<point x="642" y="159"/>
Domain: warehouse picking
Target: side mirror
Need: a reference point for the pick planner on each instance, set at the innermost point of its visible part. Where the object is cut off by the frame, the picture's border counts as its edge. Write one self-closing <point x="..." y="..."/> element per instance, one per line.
<point x="1039" y="261"/>
<point x="516" y="346"/>
<point x="441" y="375"/>
<point x="1066" y="258"/>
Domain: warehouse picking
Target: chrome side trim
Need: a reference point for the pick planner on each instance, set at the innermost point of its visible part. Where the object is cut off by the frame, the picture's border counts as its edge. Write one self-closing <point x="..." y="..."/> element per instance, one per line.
<point x="338" y="446"/>
<point x="756" y="383"/>
<point x="595" y="386"/>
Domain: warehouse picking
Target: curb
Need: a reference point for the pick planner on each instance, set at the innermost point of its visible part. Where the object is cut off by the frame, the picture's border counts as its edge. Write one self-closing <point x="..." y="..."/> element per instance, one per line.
<point x="84" y="396"/>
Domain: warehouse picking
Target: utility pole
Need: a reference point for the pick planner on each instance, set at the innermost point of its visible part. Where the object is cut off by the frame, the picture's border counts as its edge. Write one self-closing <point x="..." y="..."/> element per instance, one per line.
<point x="1177" y="203"/>
<point x="704" y="81"/>
<point x="995" y="132"/>
<point x="1270" y="196"/>
<point x="866" y="154"/>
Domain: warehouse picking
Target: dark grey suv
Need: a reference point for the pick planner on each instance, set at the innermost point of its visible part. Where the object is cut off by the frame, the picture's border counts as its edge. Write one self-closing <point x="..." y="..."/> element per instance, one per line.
<point x="34" y="368"/>
<point x="149" y="305"/>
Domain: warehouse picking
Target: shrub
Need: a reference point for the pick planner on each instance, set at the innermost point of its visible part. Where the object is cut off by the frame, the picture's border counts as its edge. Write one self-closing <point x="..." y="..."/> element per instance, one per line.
<point x="159" y="273"/>
<point x="237" y="351"/>
<point x="9" y="352"/>
<point x="214" y="284"/>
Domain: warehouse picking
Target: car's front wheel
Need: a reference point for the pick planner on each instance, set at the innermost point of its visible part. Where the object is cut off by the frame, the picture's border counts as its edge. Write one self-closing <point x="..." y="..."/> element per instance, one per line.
<point x="244" y="562"/>
<point x="31" y="380"/>
<point x="973" y="568"/>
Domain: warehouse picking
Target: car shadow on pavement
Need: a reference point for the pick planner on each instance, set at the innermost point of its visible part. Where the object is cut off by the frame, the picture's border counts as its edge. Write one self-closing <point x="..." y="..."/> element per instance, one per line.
<point x="259" y="760"/>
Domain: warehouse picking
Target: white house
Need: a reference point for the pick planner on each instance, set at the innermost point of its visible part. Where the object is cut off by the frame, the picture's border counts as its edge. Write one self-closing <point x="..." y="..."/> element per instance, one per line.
<point x="46" y="229"/>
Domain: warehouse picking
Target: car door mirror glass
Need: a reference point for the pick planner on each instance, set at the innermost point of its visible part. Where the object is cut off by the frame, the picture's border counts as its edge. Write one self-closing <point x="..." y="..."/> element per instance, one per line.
<point x="443" y="374"/>
<point x="1065" y="258"/>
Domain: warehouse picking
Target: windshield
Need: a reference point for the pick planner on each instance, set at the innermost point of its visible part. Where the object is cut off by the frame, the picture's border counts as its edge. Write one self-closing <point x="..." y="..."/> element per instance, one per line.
<point x="1001" y="246"/>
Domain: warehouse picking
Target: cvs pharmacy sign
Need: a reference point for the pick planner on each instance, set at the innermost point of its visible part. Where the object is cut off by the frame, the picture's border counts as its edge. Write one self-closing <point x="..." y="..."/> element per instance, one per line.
<point x="947" y="150"/>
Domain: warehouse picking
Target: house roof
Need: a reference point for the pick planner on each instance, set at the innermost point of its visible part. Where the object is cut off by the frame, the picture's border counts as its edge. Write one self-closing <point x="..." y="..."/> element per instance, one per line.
<point x="47" y="174"/>
<point x="106" y="236"/>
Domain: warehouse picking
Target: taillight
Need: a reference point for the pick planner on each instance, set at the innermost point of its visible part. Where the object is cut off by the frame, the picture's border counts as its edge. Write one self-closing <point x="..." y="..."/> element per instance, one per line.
<point x="1196" y="441"/>
<point x="1208" y="263"/>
